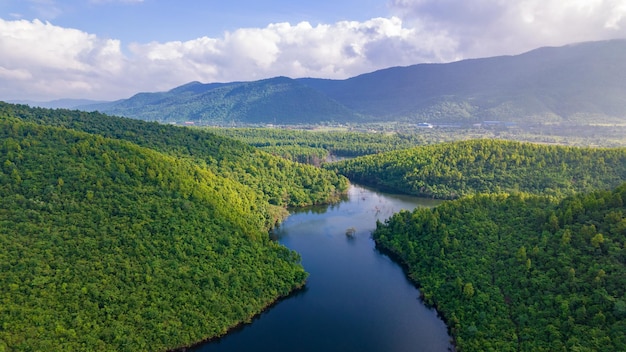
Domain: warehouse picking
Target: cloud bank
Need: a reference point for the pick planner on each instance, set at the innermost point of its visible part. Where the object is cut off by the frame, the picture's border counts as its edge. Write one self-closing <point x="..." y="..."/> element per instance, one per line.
<point x="491" y="27"/>
<point x="42" y="61"/>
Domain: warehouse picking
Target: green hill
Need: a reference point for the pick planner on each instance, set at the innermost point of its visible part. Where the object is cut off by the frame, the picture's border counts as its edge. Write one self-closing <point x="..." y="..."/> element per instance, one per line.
<point x="277" y="100"/>
<point x="520" y="272"/>
<point x="279" y="181"/>
<point x="109" y="246"/>
<point x="451" y="170"/>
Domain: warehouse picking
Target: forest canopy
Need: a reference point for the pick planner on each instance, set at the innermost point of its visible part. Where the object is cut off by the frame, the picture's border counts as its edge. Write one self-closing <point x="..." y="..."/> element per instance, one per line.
<point x="109" y="245"/>
<point x="280" y="181"/>
<point x="452" y="170"/>
<point x="520" y="272"/>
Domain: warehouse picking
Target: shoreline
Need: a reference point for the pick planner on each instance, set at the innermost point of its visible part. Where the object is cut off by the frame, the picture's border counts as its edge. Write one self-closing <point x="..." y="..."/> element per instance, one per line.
<point x="405" y="268"/>
<point x="299" y="289"/>
<point x="335" y="198"/>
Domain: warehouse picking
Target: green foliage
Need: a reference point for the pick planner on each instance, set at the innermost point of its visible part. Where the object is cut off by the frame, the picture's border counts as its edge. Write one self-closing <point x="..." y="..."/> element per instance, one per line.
<point x="313" y="146"/>
<point x="305" y="155"/>
<point x="110" y="246"/>
<point x="507" y="279"/>
<point x="336" y="143"/>
<point x="279" y="181"/>
<point x="451" y="170"/>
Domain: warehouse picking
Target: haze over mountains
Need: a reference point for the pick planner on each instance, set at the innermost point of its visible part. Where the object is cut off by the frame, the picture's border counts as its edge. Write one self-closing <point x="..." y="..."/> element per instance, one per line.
<point x="578" y="83"/>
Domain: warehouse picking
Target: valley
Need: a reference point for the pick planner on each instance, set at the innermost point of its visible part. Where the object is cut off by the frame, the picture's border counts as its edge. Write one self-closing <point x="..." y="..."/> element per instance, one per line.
<point x="167" y="219"/>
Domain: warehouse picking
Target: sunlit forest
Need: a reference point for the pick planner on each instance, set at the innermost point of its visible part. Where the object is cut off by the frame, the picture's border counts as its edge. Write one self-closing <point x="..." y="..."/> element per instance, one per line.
<point x="520" y="272"/>
<point x="452" y="170"/>
<point x="126" y="235"/>
<point x="109" y="245"/>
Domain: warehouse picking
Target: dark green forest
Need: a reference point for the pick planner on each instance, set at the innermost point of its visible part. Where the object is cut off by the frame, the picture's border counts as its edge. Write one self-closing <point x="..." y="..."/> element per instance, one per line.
<point x="281" y="181"/>
<point x="109" y="245"/>
<point x="337" y="143"/>
<point x="452" y="170"/>
<point x="520" y="272"/>
<point x="120" y="234"/>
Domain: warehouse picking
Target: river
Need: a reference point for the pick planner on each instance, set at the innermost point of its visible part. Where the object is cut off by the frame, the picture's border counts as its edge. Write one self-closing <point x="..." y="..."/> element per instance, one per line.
<point x="356" y="298"/>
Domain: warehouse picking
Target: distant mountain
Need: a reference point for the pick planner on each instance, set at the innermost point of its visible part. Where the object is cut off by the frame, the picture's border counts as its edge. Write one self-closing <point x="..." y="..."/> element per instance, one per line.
<point x="547" y="84"/>
<point x="279" y="100"/>
<point x="573" y="83"/>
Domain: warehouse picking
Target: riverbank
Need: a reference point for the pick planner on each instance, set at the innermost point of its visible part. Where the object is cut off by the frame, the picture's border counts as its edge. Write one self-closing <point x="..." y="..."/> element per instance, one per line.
<point x="428" y="301"/>
<point x="355" y="299"/>
<point x="298" y="289"/>
<point x="280" y="216"/>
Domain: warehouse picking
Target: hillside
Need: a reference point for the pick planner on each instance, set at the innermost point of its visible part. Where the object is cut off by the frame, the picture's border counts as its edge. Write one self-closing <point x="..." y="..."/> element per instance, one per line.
<point x="277" y="180"/>
<point x="519" y="272"/>
<point x="574" y="83"/>
<point x="580" y="84"/>
<point x="277" y="100"/>
<point x="451" y="170"/>
<point x="109" y="246"/>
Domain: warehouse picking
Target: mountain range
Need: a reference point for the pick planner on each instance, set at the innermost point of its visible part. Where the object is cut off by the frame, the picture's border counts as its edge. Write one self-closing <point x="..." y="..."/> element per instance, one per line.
<point x="577" y="83"/>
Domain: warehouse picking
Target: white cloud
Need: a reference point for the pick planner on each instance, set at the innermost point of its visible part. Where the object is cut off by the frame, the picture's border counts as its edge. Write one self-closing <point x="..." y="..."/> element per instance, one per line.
<point x="64" y="62"/>
<point x="493" y="27"/>
<point x="14" y="74"/>
<point x="39" y="60"/>
<point x="337" y="51"/>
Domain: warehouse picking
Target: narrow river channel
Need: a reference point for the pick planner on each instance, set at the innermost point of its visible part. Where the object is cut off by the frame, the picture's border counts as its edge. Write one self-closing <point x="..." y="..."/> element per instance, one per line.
<point x="356" y="298"/>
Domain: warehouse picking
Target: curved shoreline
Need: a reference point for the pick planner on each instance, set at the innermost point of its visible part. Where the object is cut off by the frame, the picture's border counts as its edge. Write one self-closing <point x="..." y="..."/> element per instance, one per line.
<point x="405" y="268"/>
<point x="299" y="289"/>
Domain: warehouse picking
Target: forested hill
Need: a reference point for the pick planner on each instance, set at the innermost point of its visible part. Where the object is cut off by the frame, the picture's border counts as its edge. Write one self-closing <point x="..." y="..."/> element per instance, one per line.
<point x="109" y="246"/>
<point x="451" y="170"/>
<point x="520" y="273"/>
<point x="282" y="182"/>
<point x="278" y="100"/>
<point x="579" y="83"/>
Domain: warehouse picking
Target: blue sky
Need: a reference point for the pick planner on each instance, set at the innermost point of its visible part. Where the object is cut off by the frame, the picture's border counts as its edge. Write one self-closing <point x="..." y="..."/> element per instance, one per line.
<point x="168" y="20"/>
<point x="111" y="49"/>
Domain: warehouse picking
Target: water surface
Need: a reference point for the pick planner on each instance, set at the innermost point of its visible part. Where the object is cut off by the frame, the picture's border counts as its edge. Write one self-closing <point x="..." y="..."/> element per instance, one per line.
<point x="356" y="299"/>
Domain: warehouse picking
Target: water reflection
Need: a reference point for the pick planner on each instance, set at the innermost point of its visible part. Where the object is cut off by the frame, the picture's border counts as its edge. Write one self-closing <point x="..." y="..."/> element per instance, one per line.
<point x="356" y="298"/>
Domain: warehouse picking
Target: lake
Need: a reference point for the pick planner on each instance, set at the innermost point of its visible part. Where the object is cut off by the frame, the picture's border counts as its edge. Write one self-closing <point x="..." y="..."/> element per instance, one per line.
<point x="356" y="298"/>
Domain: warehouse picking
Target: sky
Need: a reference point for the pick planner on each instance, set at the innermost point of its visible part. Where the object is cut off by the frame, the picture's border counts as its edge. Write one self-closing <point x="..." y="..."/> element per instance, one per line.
<point x="112" y="49"/>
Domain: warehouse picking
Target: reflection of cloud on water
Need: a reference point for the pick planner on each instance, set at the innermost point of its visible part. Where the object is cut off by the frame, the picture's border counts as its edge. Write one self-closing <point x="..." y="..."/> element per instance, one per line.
<point x="361" y="209"/>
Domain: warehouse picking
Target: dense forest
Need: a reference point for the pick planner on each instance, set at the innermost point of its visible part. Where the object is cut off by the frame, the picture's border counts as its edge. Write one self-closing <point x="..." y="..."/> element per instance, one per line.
<point x="282" y="182"/>
<point x="319" y="143"/>
<point x="109" y="245"/>
<point x="451" y="170"/>
<point x="120" y="234"/>
<point x="338" y="143"/>
<point x="520" y="272"/>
